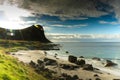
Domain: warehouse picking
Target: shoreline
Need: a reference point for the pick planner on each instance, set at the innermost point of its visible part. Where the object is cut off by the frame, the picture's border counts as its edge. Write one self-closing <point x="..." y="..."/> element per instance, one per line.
<point x="33" y="55"/>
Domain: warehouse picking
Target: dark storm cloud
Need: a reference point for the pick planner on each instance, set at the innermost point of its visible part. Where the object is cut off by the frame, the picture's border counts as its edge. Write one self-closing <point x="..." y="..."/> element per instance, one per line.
<point x="61" y="8"/>
<point x="69" y="9"/>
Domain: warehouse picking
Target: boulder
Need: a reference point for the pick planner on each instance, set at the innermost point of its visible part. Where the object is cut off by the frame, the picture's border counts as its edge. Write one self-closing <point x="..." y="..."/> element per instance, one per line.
<point x="96" y="75"/>
<point x="50" y="61"/>
<point x="40" y="62"/>
<point x="97" y="79"/>
<point x="88" y="67"/>
<point x="75" y="77"/>
<point x="80" y="62"/>
<point x="68" y="77"/>
<point x="109" y="63"/>
<point x="81" y="57"/>
<point x="72" y="59"/>
<point x="68" y="66"/>
<point x="32" y="64"/>
<point x="96" y="58"/>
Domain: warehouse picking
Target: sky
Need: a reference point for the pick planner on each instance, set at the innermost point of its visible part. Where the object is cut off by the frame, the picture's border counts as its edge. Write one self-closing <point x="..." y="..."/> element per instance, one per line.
<point x="83" y="20"/>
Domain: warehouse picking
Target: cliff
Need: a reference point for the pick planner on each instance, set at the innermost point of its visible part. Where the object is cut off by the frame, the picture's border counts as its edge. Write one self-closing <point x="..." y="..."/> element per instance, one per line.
<point x="32" y="33"/>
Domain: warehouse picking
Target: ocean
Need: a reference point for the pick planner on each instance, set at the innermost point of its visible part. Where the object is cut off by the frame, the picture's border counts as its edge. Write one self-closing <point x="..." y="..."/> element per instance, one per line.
<point x="110" y="50"/>
<point x="103" y="50"/>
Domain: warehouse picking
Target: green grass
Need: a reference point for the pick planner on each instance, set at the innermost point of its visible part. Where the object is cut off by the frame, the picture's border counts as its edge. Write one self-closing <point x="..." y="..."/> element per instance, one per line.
<point x="11" y="69"/>
<point x="15" y="45"/>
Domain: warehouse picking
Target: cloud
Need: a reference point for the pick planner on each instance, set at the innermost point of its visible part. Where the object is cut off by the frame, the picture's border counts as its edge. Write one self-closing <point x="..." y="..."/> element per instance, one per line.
<point x="72" y="9"/>
<point x="73" y="18"/>
<point x="106" y="22"/>
<point x="69" y="26"/>
<point x="11" y="15"/>
<point x="116" y="7"/>
<point x="84" y="36"/>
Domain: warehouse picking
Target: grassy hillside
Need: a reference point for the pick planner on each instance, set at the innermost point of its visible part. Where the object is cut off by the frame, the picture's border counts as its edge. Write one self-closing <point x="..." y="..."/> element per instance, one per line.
<point x="15" y="45"/>
<point x="11" y="69"/>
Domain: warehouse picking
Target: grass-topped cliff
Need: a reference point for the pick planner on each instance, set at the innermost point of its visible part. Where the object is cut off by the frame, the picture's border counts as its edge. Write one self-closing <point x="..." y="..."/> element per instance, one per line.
<point x="15" y="45"/>
<point x="11" y="69"/>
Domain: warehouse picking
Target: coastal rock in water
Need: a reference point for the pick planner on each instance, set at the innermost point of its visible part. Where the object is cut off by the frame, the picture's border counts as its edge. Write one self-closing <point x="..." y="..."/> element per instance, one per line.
<point x="80" y="62"/>
<point x="81" y="57"/>
<point x="72" y="59"/>
<point x="96" y="58"/>
<point x="32" y="33"/>
<point x="50" y="61"/>
<point x="109" y="63"/>
<point x="88" y="67"/>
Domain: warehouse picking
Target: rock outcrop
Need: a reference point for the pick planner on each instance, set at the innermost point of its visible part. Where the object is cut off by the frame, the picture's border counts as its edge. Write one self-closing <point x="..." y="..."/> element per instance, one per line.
<point x="80" y="62"/>
<point x="88" y="67"/>
<point x="32" y="33"/>
<point x="109" y="63"/>
<point x="72" y="59"/>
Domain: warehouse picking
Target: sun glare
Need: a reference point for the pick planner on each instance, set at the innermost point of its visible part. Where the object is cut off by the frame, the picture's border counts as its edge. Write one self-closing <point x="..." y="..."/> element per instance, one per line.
<point x="11" y="18"/>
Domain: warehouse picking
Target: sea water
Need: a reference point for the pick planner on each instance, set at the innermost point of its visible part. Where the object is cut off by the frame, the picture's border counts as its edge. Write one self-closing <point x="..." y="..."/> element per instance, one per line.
<point x="92" y="49"/>
<point x="103" y="50"/>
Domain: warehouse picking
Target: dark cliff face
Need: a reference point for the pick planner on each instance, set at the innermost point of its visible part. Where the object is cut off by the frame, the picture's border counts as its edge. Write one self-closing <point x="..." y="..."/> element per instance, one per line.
<point x="33" y="33"/>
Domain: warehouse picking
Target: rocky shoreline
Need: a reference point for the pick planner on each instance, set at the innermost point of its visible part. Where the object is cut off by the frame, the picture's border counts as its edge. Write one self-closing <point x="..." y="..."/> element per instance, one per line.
<point x="57" y="69"/>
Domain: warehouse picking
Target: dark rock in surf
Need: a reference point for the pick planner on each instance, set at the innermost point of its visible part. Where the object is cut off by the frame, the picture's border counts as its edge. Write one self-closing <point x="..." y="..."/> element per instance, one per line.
<point x="96" y="58"/>
<point x="81" y="57"/>
<point x="110" y="63"/>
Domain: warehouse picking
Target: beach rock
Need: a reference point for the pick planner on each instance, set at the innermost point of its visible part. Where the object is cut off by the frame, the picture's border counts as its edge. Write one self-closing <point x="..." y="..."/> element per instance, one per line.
<point x="81" y="57"/>
<point x="75" y="77"/>
<point x="80" y="62"/>
<point x="32" y="64"/>
<point x="68" y="66"/>
<point x="72" y="59"/>
<point x="109" y="63"/>
<point x="96" y="75"/>
<point x="88" y="67"/>
<point x="96" y="58"/>
<point x="40" y="62"/>
<point x="97" y="79"/>
<point x="68" y="77"/>
<point x="50" y="61"/>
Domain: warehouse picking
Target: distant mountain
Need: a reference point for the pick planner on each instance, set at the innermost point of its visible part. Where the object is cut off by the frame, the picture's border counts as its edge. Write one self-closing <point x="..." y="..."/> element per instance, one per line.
<point x="32" y="33"/>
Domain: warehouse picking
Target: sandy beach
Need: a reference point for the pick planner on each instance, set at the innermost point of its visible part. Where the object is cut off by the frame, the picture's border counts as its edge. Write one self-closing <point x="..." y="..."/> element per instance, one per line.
<point x="34" y="55"/>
